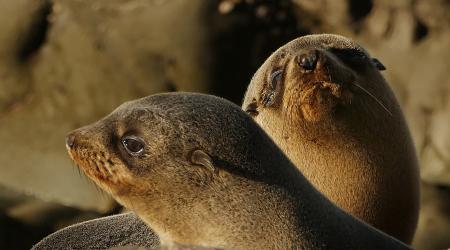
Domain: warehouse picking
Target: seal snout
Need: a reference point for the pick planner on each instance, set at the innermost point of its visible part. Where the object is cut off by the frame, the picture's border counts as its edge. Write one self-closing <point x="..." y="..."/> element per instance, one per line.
<point x="90" y="157"/>
<point x="308" y="60"/>
<point x="70" y="141"/>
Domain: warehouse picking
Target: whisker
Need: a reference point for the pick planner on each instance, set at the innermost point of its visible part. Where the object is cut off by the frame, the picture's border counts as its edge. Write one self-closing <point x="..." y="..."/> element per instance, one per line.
<point x="373" y="97"/>
<point x="103" y="193"/>
<point x="329" y="73"/>
<point x="132" y="207"/>
<point x="108" y="170"/>
<point x="75" y="169"/>
<point x="79" y="171"/>
<point x="97" y="188"/>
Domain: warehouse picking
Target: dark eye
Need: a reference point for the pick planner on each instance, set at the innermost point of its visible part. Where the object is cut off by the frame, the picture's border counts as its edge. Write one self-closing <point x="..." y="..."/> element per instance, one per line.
<point x="276" y="77"/>
<point x="353" y="57"/>
<point x="133" y="145"/>
<point x="269" y="92"/>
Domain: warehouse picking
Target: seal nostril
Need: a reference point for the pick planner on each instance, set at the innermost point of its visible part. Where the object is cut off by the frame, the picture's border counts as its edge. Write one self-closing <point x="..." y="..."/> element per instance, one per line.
<point x="70" y="141"/>
<point x="308" y="61"/>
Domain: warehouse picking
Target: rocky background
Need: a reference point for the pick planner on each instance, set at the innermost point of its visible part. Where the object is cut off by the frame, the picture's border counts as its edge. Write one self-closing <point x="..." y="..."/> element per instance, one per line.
<point x="65" y="63"/>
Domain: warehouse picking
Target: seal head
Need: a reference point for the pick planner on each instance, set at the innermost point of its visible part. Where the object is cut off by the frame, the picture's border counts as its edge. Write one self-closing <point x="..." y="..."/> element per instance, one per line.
<point x="311" y="80"/>
<point x="175" y="159"/>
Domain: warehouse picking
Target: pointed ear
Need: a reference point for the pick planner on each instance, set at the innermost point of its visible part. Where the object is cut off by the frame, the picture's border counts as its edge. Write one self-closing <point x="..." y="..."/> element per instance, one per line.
<point x="378" y="64"/>
<point x="200" y="158"/>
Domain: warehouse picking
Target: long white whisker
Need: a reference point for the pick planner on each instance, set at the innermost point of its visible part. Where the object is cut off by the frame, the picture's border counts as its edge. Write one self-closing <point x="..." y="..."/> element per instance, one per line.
<point x="373" y="97"/>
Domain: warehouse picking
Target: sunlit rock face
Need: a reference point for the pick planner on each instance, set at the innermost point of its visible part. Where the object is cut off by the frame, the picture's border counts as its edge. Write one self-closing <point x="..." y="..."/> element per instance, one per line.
<point x="67" y="63"/>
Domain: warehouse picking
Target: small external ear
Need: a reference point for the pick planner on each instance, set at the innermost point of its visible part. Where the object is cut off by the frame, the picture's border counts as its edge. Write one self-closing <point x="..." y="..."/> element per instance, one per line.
<point x="378" y="64"/>
<point x="252" y="108"/>
<point x="199" y="157"/>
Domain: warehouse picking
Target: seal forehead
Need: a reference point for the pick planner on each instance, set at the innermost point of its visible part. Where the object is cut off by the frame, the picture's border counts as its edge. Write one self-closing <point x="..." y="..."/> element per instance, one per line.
<point x="139" y="112"/>
<point x="182" y="106"/>
<point x="328" y="42"/>
<point x="323" y="41"/>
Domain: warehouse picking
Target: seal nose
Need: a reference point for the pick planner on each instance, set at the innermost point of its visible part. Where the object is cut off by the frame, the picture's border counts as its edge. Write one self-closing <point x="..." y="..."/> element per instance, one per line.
<point x="308" y="60"/>
<point x="70" y="141"/>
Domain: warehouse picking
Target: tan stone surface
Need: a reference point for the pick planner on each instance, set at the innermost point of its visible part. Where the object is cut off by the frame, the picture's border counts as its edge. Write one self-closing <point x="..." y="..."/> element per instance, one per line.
<point x="97" y="54"/>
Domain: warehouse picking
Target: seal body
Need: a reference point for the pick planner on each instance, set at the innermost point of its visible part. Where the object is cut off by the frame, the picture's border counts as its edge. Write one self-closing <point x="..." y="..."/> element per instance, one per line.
<point x="103" y="233"/>
<point x="200" y="172"/>
<point x="323" y="101"/>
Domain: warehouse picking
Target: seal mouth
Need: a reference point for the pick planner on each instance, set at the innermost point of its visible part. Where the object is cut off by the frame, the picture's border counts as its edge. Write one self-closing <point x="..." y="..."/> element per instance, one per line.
<point x="331" y="88"/>
<point x="321" y="98"/>
<point x="321" y="90"/>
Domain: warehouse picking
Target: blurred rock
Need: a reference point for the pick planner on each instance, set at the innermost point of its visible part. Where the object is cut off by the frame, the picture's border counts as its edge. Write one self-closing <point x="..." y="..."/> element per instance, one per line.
<point x="64" y="64"/>
<point x="434" y="221"/>
<point x="242" y="37"/>
<point x="37" y="213"/>
<point x="24" y="220"/>
<point x="17" y="235"/>
<point x="10" y="198"/>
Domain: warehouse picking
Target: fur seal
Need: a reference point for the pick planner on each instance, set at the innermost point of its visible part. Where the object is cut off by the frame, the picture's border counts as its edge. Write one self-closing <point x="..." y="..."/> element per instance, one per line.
<point x="323" y="101"/>
<point x="201" y="172"/>
<point x="104" y="233"/>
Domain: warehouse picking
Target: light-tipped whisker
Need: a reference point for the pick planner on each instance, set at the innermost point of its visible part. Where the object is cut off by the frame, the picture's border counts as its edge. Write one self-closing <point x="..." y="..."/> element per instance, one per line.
<point x="373" y="97"/>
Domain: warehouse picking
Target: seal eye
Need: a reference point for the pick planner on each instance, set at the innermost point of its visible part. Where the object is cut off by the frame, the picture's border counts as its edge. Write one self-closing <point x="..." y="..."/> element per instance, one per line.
<point x="355" y="58"/>
<point x="133" y="145"/>
<point x="276" y="77"/>
<point x="270" y="90"/>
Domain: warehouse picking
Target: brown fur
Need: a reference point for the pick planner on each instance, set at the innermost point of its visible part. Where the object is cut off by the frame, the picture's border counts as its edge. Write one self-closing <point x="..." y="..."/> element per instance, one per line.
<point x="353" y="148"/>
<point x="209" y="176"/>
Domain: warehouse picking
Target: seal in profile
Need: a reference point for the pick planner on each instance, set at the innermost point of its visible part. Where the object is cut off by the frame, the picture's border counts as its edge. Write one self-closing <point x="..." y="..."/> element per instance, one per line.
<point x="200" y="172"/>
